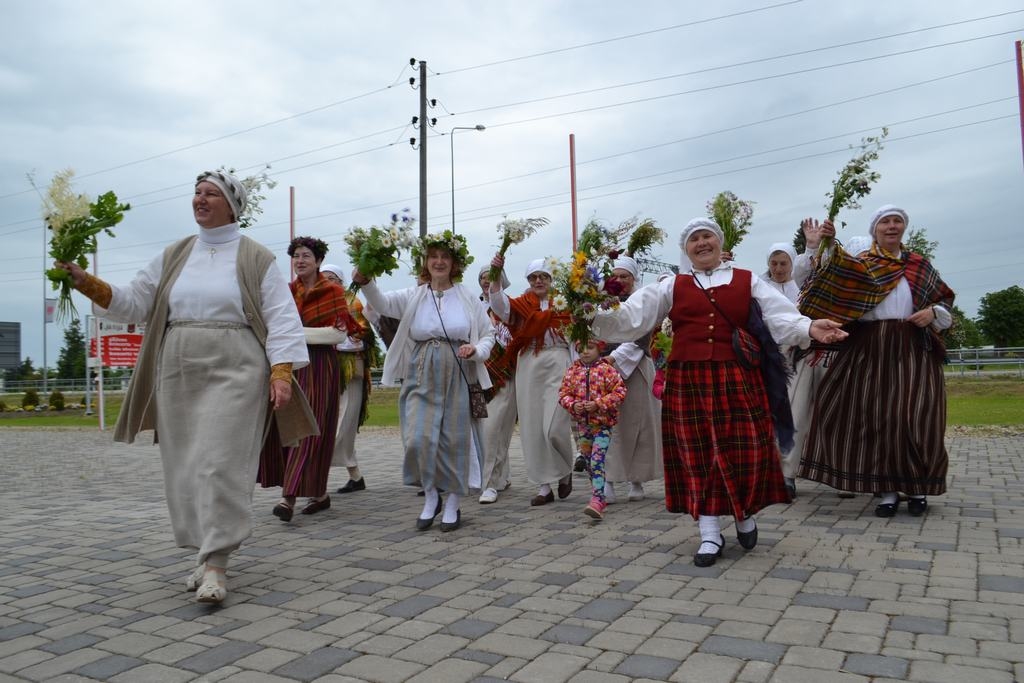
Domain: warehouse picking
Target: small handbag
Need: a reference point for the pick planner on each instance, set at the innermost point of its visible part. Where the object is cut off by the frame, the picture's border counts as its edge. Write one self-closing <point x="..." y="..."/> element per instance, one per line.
<point x="477" y="401"/>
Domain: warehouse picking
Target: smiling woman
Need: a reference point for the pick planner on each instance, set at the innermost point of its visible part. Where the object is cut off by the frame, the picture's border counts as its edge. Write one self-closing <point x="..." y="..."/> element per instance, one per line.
<point x="219" y="323"/>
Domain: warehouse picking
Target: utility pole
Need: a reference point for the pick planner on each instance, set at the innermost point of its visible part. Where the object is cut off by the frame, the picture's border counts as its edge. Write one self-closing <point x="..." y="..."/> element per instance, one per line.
<point x="423" y="148"/>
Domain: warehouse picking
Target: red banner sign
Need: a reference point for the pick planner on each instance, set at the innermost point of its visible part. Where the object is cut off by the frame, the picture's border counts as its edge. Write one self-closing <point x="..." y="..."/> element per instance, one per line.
<point x="119" y="350"/>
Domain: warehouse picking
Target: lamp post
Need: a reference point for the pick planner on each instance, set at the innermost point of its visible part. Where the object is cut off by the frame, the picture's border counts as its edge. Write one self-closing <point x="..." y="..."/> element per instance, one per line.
<point x="451" y="135"/>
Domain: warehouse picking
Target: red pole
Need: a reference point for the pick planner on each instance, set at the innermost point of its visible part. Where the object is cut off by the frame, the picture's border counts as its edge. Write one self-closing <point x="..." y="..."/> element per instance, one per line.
<point x="572" y="182"/>
<point x="1020" y="90"/>
<point x="291" y="224"/>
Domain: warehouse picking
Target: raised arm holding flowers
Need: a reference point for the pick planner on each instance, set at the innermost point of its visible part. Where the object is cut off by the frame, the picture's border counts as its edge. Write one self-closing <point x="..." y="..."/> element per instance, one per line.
<point x="852" y="184"/>
<point x="514" y="231"/>
<point x="74" y="223"/>
<point x="374" y="251"/>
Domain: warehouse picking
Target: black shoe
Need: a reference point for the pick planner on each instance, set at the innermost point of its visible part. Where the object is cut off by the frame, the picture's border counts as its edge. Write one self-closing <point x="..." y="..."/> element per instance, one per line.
<point x="283" y="511"/>
<point x="424" y="524"/>
<point x="353" y="485"/>
<point x="747" y="539"/>
<point x="452" y="526"/>
<point x="708" y="559"/>
<point x="917" y="506"/>
<point x="886" y="509"/>
<point x="580" y="465"/>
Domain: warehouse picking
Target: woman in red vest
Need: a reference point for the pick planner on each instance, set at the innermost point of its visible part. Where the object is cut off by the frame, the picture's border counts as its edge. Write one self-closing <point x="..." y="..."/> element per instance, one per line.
<point x="720" y="453"/>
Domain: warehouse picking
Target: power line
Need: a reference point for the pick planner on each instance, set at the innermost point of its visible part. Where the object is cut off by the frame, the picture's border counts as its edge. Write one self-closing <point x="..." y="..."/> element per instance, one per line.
<point x="725" y="16"/>
<point x="236" y="133"/>
<point x="646" y="81"/>
<point x="617" y="38"/>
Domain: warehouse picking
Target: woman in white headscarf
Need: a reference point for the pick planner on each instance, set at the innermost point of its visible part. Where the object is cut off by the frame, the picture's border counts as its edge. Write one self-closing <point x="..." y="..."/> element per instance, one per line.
<point x="718" y="435"/>
<point x="880" y="413"/>
<point x="781" y="259"/>
<point x="542" y="357"/>
<point x="635" y="451"/>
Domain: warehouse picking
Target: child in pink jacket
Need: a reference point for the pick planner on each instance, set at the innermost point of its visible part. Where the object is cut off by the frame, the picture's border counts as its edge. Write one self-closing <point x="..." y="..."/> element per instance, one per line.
<point x="592" y="391"/>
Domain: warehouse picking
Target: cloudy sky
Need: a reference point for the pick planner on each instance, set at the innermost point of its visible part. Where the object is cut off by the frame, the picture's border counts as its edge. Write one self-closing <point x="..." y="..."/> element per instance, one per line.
<point x="670" y="102"/>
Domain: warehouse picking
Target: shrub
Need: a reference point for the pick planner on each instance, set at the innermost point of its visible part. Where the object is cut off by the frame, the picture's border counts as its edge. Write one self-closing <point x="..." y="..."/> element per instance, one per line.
<point x="56" y="400"/>
<point x="31" y="398"/>
<point x="3" y="407"/>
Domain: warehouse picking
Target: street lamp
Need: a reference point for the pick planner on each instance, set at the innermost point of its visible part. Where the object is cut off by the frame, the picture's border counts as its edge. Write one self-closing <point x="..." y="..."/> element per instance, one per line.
<point x="451" y="135"/>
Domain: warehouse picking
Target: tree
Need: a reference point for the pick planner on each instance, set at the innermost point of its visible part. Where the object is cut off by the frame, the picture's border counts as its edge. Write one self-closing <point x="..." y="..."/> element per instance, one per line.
<point x="917" y="241"/>
<point x="1001" y="316"/>
<point x="71" y="362"/>
<point x="799" y="241"/>
<point x="964" y="333"/>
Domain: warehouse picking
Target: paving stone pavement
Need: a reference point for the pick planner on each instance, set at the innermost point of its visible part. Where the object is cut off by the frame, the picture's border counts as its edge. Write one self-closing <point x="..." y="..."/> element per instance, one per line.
<point x="92" y="587"/>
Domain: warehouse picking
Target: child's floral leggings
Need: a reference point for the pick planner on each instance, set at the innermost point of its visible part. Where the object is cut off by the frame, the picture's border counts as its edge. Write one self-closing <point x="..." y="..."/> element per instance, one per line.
<point x="593" y="443"/>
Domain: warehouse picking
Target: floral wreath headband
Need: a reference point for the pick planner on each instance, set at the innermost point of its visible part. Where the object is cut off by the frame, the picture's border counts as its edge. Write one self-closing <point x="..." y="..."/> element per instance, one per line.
<point x="454" y="244"/>
<point x="315" y="245"/>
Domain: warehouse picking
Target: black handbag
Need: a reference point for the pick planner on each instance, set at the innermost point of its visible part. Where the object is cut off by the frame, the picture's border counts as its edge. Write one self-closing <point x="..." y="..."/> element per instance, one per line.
<point x="477" y="401"/>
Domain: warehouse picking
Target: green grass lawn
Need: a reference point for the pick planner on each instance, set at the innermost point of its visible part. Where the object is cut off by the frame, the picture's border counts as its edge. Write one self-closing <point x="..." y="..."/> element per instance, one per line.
<point x="972" y="401"/>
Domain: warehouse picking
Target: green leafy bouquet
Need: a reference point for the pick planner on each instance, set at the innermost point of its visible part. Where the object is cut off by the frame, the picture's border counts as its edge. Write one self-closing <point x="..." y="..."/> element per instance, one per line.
<point x="74" y="223"/>
<point x="375" y="250"/>
<point x="514" y="231"/>
<point x="853" y="182"/>
<point x="733" y="215"/>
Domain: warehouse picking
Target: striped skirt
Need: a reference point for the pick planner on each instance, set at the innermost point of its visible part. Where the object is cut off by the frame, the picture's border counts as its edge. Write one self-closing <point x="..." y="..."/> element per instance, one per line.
<point x="438" y="434"/>
<point x="718" y="441"/>
<point x="880" y="416"/>
<point x="303" y="470"/>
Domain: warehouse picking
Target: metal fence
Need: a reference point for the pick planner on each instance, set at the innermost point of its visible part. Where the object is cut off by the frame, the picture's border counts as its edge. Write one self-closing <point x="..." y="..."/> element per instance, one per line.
<point x="976" y="361"/>
<point x="77" y="386"/>
<point x="987" y="359"/>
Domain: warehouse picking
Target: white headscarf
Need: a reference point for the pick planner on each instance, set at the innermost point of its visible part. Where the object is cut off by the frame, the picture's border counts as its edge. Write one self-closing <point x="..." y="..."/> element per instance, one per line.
<point x="856" y="245"/>
<point x="504" y="278"/>
<point x="537" y="265"/>
<point x="331" y="268"/>
<point x="233" y="190"/>
<point x="627" y="263"/>
<point x="699" y="223"/>
<point x="887" y="210"/>
<point x="785" y="248"/>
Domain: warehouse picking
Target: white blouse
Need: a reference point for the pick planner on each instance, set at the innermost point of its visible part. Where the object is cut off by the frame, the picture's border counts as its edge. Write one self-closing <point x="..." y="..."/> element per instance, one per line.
<point x="648" y="306"/>
<point x="207" y="289"/>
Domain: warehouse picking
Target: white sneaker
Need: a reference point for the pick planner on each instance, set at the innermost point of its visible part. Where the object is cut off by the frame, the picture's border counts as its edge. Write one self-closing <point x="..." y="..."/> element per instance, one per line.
<point x="636" y="491"/>
<point x="488" y="496"/>
<point x="609" y="493"/>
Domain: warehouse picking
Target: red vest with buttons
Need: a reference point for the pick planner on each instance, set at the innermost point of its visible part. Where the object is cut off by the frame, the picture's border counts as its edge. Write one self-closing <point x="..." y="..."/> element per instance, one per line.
<point x="699" y="332"/>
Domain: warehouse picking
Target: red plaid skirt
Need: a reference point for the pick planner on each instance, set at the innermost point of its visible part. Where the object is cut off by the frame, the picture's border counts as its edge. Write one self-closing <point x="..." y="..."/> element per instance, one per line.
<point x="719" y="444"/>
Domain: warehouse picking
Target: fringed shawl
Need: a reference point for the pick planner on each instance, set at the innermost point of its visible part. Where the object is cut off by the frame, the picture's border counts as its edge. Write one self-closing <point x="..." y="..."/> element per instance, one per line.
<point x="323" y="305"/>
<point x="529" y="324"/>
<point x="846" y="287"/>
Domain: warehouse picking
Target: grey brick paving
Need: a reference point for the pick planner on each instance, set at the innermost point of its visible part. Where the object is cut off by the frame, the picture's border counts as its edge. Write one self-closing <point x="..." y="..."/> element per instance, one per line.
<point x="91" y="585"/>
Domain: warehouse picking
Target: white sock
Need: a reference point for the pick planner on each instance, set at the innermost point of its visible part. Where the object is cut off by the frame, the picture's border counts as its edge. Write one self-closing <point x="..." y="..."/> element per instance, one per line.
<point x="545" y="489"/>
<point x="429" y="503"/>
<point x="353" y="473"/>
<point x="451" y="508"/>
<point x="747" y="525"/>
<point x="890" y="498"/>
<point x="710" y="529"/>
